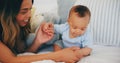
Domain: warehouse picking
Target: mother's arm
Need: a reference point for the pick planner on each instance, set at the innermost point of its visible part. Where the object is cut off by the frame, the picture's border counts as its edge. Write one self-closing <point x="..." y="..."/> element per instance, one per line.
<point x="43" y="35"/>
<point x="6" y="56"/>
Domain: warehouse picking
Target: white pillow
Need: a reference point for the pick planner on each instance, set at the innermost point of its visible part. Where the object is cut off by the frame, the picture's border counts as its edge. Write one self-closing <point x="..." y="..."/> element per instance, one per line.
<point x="44" y="10"/>
<point x="48" y="9"/>
<point x="43" y="6"/>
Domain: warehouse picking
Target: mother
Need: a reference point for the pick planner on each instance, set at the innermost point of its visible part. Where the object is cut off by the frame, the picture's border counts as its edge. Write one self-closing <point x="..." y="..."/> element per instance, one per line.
<point x="15" y="27"/>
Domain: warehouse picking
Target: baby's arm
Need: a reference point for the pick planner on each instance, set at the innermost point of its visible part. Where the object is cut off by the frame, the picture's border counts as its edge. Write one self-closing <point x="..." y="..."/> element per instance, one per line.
<point x="56" y="47"/>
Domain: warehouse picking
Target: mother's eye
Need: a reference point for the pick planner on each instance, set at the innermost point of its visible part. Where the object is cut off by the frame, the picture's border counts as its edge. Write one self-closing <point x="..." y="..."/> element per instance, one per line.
<point x="23" y="13"/>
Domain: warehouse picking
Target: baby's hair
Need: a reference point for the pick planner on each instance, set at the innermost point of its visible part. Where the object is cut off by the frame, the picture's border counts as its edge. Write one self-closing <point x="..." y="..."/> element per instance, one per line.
<point x="81" y="10"/>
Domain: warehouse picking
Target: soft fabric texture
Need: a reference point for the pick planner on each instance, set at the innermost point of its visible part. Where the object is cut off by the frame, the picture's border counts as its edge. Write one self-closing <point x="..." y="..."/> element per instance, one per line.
<point x="103" y="54"/>
<point x="84" y="40"/>
<point x="104" y="24"/>
<point x="44" y="10"/>
<point x="105" y="20"/>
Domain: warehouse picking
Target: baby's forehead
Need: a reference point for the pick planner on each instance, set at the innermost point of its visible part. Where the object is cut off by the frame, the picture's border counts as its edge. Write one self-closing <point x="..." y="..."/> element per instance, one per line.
<point x="80" y="24"/>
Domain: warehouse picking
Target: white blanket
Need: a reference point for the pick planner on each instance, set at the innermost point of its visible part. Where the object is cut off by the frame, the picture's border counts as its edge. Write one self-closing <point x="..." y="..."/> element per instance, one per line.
<point x="100" y="54"/>
<point x="103" y="54"/>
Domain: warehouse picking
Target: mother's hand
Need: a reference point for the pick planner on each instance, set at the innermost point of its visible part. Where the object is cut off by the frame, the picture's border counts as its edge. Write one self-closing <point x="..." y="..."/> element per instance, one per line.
<point x="45" y="32"/>
<point x="69" y="55"/>
<point x="43" y="35"/>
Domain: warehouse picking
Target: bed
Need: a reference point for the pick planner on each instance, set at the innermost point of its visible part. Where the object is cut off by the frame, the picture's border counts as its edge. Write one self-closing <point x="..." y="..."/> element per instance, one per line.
<point x="106" y="30"/>
<point x="105" y="26"/>
<point x="103" y="54"/>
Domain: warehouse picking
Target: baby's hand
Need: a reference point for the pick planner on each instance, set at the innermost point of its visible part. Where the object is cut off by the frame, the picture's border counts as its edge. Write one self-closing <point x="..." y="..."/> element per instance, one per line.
<point x="44" y="33"/>
<point x="48" y="28"/>
<point x="86" y="51"/>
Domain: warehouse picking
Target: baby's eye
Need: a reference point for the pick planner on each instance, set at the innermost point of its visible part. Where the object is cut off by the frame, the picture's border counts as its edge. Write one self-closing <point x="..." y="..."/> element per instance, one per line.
<point x="83" y="29"/>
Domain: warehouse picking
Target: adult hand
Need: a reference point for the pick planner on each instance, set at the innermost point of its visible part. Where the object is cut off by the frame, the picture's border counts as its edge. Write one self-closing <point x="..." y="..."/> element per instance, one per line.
<point x="78" y="52"/>
<point x="45" y="32"/>
<point x="68" y="55"/>
<point x="86" y="51"/>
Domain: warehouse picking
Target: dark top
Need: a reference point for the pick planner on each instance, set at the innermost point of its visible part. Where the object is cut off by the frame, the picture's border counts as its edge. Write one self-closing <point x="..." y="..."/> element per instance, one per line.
<point x="1" y="33"/>
<point x="15" y="48"/>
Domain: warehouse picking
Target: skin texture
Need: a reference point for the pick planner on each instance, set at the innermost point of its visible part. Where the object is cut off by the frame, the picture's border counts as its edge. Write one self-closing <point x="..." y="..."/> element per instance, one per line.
<point x="43" y="34"/>
<point x="77" y="24"/>
<point x="24" y="13"/>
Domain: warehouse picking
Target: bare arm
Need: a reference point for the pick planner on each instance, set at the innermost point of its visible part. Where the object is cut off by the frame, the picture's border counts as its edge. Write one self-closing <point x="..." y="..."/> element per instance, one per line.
<point x="69" y="56"/>
<point x="43" y="35"/>
<point x="6" y="56"/>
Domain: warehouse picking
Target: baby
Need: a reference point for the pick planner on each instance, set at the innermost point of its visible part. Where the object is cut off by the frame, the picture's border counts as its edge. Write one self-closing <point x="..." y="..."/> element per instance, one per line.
<point x="74" y="32"/>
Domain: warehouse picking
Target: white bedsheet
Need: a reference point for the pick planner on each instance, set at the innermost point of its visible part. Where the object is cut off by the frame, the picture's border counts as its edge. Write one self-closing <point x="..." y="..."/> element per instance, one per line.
<point x="103" y="54"/>
<point x="100" y="54"/>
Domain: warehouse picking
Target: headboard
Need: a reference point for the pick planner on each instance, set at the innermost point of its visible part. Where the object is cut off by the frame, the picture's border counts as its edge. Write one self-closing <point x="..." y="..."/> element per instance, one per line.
<point x="105" y="20"/>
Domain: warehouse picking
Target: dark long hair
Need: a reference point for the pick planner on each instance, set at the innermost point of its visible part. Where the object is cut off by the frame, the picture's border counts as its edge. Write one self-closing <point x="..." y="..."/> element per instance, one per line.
<point x="12" y="32"/>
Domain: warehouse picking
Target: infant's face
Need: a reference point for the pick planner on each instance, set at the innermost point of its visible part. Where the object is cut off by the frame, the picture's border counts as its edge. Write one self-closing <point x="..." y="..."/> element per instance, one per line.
<point x="78" y="25"/>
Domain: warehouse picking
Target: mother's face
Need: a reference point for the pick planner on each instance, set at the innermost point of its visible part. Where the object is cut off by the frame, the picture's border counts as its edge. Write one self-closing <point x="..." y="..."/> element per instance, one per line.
<point x="24" y="13"/>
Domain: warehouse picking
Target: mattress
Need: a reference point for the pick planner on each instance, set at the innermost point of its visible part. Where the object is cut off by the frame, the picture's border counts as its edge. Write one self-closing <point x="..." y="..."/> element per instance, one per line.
<point x="99" y="54"/>
<point x="103" y="54"/>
